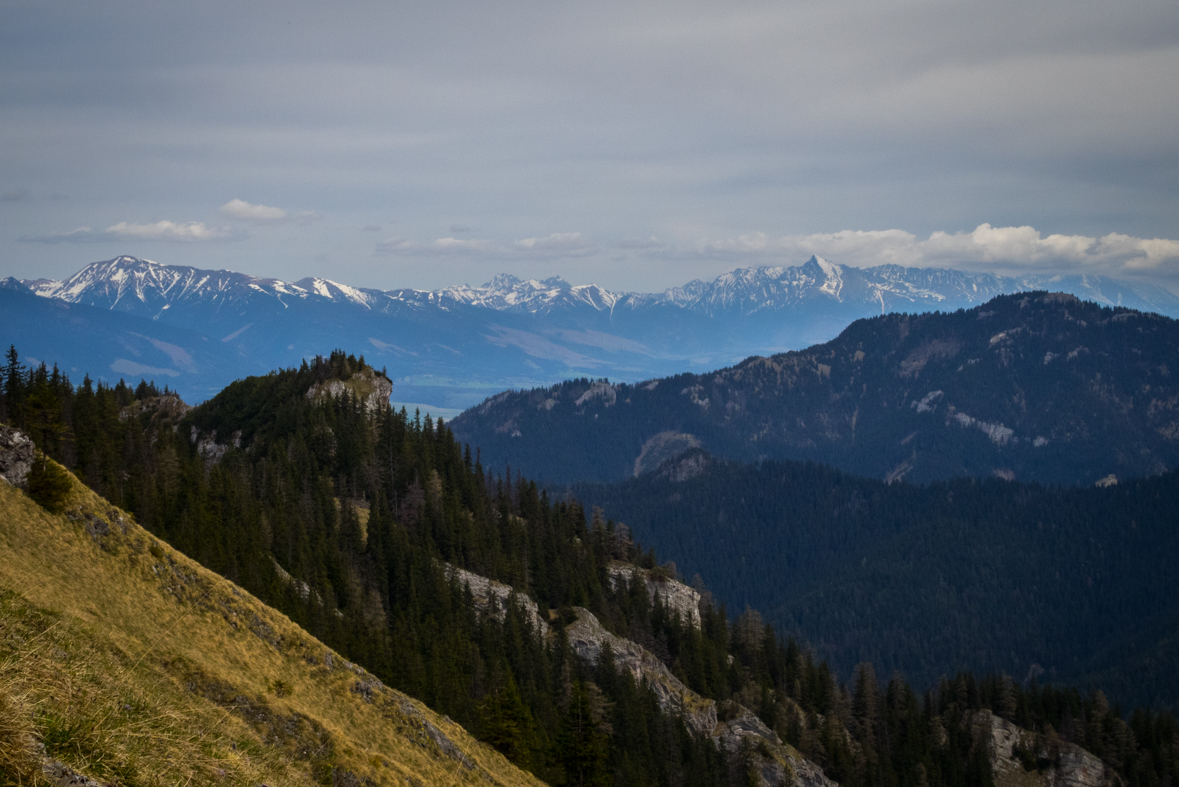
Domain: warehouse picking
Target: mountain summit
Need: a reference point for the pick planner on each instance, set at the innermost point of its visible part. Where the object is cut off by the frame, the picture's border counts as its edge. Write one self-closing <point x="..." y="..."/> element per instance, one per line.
<point x="1037" y="386"/>
<point x="456" y="345"/>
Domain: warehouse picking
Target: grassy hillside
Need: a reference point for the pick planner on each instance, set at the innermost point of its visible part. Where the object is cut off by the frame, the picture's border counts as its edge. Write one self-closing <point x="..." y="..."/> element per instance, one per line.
<point x="132" y="664"/>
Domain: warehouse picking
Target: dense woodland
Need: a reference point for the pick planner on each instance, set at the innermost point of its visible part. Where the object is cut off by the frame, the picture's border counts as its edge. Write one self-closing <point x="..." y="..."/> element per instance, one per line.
<point x="344" y="518"/>
<point x="985" y="575"/>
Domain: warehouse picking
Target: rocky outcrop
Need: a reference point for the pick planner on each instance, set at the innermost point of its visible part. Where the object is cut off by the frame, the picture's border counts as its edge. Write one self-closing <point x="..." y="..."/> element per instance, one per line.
<point x="588" y="638"/>
<point x="1020" y="758"/>
<point x="16" y="456"/>
<point x="209" y="449"/>
<point x="371" y="388"/>
<point x="484" y="590"/>
<point x="675" y="596"/>
<point x="777" y="764"/>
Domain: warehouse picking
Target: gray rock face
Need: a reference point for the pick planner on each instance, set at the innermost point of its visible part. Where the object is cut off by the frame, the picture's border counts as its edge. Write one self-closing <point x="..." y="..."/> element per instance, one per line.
<point x="775" y="763"/>
<point x="588" y="638"/>
<point x="484" y="590"/>
<point x="16" y="456"/>
<point x="209" y="449"/>
<point x="676" y="596"/>
<point x="1069" y="764"/>
<point x="372" y="389"/>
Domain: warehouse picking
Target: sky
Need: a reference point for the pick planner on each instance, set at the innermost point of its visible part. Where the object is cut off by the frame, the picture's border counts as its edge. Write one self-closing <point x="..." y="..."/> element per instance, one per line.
<point x="636" y="144"/>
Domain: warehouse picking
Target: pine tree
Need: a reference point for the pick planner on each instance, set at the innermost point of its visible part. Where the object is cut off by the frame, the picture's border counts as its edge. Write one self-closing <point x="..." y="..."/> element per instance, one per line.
<point x="49" y="485"/>
<point x="581" y="745"/>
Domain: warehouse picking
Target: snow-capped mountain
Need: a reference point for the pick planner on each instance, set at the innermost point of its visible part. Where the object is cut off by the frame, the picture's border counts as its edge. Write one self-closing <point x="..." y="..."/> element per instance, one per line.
<point x="145" y="287"/>
<point x="896" y="288"/>
<point x="458" y="344"/>
<point x="138" y="286"/>
<point x="508" y="293"/>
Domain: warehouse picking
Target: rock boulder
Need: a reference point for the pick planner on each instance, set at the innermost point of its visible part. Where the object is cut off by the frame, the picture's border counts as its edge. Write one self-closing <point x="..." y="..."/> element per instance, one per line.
<point x="16" y="456"/>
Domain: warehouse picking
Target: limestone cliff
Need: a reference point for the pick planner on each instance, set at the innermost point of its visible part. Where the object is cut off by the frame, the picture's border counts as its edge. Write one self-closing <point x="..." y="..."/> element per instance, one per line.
<point x="368" y="385"/>
<point x="1021" y="758"/>
<point x="676" y="596"/>
<point x="483" y="590"/>
<point x="777" y="764"/>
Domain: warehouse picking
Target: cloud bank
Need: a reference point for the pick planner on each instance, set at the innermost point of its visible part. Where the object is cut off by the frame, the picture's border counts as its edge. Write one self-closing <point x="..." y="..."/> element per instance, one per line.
<point x="987" y="247"/>
<point x="178" y="232"/>
<point x="555" y="246"/>
<point x="240" y="210"/>
<point x="243" y="211"/>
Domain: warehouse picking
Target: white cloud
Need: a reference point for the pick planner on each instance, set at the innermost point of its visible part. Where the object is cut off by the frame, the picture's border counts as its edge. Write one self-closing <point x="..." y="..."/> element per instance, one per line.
<point x="555" y="246"/>
<point x="992" y="248"/>
<point x="182" y="232"/>
<point x="244" y="211"/>
<point x="240" y="210"/>
<point x="639" y="243"/>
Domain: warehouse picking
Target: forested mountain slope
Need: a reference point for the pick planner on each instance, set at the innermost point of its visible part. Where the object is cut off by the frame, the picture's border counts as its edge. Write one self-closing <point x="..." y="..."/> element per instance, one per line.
<point x="133" y="665"/>
<point x="359" y="522"/>
<point x="1073" y="584"/>
<point x="1037" y="386"/>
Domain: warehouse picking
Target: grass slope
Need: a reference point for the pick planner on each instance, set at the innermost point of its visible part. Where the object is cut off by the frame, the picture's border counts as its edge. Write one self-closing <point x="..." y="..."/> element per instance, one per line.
<point x="123" y="660"/>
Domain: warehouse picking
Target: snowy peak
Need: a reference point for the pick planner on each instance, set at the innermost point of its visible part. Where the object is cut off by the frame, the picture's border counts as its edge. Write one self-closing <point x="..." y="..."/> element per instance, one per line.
<point x="334" y="291"/>
<point x="148" y="288"/>
<point x="508" y="293"/>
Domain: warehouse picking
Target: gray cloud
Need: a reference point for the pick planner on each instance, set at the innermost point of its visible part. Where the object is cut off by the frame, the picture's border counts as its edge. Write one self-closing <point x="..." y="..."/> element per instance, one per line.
<point x="16" y="195"/>
<point x="555" y="246"/>
<point x="628" y="120"/>
<point x="185" y="232"/>
<point x="992" y="248"/>
<point x="240" y="210"/>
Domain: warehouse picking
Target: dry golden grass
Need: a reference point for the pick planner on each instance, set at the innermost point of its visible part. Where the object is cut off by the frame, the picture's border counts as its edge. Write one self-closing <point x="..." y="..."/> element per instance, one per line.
<point x="129" y="662"/>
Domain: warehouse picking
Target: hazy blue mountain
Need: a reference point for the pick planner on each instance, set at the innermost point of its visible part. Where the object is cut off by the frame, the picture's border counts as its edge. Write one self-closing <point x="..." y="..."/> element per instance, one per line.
<point x="457" y="345"/>
<point x="110" y="345"/>
<point x="1038" y="386"/>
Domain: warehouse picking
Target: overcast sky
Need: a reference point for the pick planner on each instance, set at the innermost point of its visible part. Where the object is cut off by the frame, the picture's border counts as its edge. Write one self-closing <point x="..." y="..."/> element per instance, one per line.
<point x="633" y="144"/>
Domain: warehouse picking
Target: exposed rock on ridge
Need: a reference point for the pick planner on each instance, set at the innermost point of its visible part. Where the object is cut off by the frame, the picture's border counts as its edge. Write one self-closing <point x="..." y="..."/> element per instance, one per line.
<point x="369" y="386"/>
<point x="483" y="590"/>
<point x="16" y="456"/>
<point x="675" y="596"/>
<point x="777" y="764"/>
<point x="1059" y="763"/>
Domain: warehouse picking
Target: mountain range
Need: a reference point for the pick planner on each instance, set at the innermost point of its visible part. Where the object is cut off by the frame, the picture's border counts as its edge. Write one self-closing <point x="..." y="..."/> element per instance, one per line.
<point x="1036" y="386"/>
<point x="196" y="330"/>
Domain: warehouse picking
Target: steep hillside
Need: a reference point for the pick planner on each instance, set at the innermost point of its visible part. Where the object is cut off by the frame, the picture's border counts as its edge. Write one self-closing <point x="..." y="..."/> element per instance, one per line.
<point x="124" y="661"/>
<point x="1037" y="387"/>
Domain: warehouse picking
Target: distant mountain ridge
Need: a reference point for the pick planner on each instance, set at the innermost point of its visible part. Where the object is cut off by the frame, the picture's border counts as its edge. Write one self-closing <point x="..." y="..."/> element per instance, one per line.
<point x="111" y="284"/>
<point x="1039" y="387"/>
<point x="454" y="346"/>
